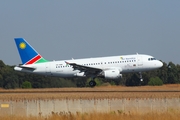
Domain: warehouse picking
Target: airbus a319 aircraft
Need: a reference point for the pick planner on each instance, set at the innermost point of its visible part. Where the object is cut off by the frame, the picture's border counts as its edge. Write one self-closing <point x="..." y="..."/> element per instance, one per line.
<point x="106" y="67"/>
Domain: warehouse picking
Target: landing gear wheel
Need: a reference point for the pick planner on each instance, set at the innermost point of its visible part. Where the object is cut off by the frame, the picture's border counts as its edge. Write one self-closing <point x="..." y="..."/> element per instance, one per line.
<point x="92" y="83"/>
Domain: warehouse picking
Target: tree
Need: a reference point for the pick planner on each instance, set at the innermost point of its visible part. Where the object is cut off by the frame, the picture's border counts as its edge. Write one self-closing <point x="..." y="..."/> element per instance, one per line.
<point x="172" y="73"/>
<point x="178" y="73"/>
<point x="155" y="81"/>
<point x="11" y="82"/>
<point x="1" y="80"/>
<point x="163" y="73"/>
<point x="169" y="73"/>
<point x="26" y="84"/>
<point x="133" y="80"/>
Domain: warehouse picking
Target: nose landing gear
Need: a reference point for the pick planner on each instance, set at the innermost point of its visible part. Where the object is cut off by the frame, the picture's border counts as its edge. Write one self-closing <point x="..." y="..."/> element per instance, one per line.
<point x="140" y="76"/>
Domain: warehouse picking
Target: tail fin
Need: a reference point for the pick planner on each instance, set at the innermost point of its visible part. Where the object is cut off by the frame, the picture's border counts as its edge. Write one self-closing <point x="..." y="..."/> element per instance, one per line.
<point x="27" y="53"/>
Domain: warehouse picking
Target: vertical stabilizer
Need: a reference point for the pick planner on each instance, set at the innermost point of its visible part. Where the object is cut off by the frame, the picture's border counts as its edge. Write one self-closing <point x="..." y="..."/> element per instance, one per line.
<point x="27" y="53"/>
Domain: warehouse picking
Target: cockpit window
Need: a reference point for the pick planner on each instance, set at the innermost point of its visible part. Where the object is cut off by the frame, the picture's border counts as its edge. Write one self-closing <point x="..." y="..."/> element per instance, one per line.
<point x="150" y="59"/>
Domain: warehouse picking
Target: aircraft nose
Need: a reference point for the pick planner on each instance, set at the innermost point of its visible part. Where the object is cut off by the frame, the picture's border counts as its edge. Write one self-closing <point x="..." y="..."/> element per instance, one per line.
<point x="160" y="64"/>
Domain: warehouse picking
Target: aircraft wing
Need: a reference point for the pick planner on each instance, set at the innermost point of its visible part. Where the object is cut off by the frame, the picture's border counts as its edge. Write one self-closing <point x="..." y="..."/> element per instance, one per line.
<point x="88" y="71"/>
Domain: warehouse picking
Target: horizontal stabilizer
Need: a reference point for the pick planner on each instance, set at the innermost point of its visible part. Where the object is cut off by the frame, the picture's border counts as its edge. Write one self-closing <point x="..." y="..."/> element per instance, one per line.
<point x="26" y="67"/>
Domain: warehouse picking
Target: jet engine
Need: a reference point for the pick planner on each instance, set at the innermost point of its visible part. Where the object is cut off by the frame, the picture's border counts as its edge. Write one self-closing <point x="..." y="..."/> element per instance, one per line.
<point x="111" y="74"/>
<point x="81" y="74"/>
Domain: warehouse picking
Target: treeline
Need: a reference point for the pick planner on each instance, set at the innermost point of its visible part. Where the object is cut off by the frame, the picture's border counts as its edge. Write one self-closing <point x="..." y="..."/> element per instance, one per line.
<point x="10" y="79"/>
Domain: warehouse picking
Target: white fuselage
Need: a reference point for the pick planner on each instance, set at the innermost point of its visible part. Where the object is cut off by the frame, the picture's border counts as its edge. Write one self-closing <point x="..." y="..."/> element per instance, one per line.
<point x="124" y="63"/>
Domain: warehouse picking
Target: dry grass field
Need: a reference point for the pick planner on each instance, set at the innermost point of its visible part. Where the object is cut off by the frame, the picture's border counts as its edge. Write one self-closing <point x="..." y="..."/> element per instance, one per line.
<point x="143" y="92"/>
<point x="101" y="116"/>
<point x="166" y="91"/>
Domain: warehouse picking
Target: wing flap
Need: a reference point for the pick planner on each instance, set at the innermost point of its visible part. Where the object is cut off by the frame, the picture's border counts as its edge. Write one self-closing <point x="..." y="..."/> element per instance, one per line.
<point x="88" y="71"/>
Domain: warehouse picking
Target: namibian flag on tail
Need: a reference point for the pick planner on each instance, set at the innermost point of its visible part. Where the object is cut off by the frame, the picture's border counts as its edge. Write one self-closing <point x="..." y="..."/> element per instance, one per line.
<point x="27" y="53"/>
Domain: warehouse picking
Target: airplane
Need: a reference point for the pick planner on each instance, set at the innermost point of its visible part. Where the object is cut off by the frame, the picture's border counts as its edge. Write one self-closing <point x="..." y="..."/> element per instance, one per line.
<point x="111" y="67"/>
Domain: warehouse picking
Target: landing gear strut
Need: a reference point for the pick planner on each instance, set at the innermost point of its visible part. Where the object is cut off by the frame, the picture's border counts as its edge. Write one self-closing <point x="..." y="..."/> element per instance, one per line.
<point x="140" y="76"/>
<point x="92" y="83"/>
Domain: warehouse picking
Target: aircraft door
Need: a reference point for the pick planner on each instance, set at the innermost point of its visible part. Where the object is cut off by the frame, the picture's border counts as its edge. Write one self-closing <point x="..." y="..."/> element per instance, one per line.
<point x="139" y="61"/>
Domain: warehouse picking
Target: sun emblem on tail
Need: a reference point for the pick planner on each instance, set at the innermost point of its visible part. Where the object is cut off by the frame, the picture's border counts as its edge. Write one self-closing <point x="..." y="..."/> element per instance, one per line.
<point x="22" y="45"/>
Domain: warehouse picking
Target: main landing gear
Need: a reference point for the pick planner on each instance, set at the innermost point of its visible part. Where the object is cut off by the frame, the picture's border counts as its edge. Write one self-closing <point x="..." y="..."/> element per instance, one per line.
<point x="92" y="83"/>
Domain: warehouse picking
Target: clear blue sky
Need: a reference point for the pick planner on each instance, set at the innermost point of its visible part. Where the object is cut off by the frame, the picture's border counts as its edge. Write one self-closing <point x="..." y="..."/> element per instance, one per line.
<point x="64" y="29"/>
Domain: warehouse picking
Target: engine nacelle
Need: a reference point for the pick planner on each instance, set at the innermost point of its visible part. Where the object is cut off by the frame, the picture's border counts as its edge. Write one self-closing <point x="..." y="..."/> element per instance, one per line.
<point x="112" y="74"/>
<point x="81" y="74"/>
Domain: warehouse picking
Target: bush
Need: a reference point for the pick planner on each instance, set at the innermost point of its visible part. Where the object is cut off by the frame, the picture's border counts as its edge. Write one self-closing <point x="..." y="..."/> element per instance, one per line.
<point x="155" y="81"/>
<point x="26" y="84"/>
